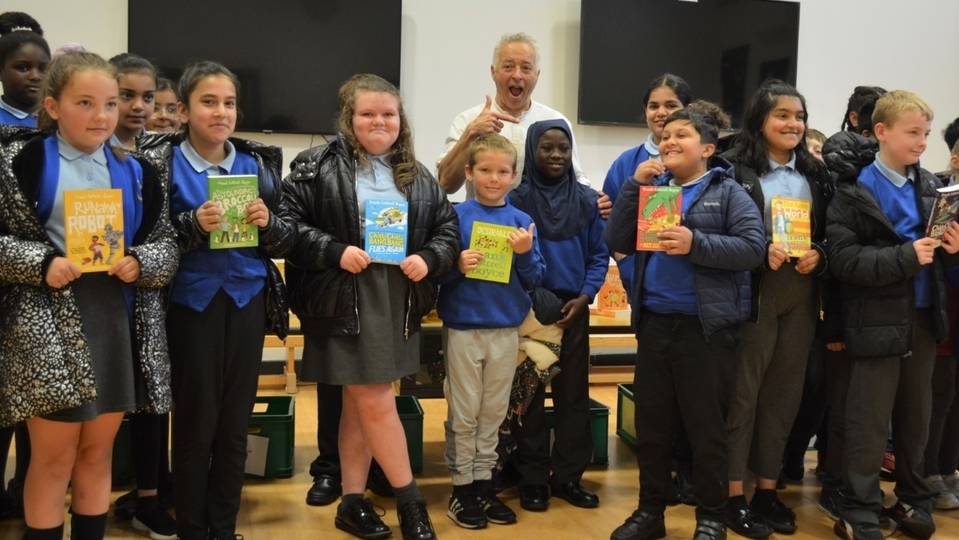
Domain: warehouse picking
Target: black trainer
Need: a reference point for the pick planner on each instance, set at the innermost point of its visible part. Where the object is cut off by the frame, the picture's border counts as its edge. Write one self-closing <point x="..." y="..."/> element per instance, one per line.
<point x="496" y="510"/>
<point x="641" y="525"/>
<point x="360" y="519"/>
<point x="914" y="521"/>
<point x="464" y="509"/>
<point x="830" y="501"/>
<point x="150" y="518"/>
<point x="125" y="506"/>
<point x="415" y="521"/>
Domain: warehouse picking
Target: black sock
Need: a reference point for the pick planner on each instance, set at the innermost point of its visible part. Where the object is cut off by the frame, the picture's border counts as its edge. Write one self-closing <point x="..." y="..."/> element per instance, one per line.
<point x="88" y="527"/>
<point x="350" y="498"/>
<point x="462" y="491"/>
<point x="764" y="498"/>
<point x="407" y="494"/>
<point x="735" y="504"/>
<point x="55" y="533"/>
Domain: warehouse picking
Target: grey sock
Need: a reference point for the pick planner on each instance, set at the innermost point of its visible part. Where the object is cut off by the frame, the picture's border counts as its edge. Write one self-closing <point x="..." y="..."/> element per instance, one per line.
<point x="407" y="493"/>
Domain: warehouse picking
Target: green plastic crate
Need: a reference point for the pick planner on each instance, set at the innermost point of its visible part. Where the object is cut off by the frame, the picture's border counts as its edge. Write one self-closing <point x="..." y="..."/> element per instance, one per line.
<point x="278" y="423"/>
<point x="626" y="414"/>
<point x="599" y="425"/>
<point x="411" y="415"/>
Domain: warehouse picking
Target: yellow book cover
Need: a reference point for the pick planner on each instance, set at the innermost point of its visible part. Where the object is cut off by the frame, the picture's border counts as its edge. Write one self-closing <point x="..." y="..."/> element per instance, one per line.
<point x="93" y="228"/>
<point x="791" y="225"/>
<point x="611" y="298"/>
<point x="497" y="262"/>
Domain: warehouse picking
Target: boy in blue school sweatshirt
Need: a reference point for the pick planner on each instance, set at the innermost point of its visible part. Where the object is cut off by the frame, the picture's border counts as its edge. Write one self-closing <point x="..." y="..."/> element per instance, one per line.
<point x="480" y="338"/>
<point x="893" y="298"/>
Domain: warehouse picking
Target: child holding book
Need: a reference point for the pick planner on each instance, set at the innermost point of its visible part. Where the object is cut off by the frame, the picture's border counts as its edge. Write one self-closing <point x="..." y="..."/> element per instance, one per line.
<point x="222" y="302"/>
<point x="93" y="337"/>
<point x="690" y="299"/>
<point x="775" y="168"/>
<point x="570" y="240"/>
<point x="361" y="321"/>
<point x="894" y="301"/>
<point x="24" y="57"/>
<point x="480" y="338"/>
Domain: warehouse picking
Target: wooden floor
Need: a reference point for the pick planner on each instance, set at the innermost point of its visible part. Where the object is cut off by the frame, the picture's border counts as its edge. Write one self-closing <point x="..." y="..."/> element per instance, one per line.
<point x="276" y="509"/>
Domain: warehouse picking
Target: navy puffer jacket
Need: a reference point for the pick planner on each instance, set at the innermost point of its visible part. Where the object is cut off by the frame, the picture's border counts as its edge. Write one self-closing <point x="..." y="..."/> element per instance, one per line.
<point x="728" y="242"/>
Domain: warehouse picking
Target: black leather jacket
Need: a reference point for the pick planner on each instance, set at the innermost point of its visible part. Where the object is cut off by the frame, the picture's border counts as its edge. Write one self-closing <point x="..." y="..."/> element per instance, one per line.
<point x="276" y="240"/>
<point x="321" y="193"/>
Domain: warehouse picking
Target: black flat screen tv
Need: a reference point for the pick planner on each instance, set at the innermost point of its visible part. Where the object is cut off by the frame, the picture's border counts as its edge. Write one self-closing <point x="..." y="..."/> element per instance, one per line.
<point x="723" y="48"/>
<point x="291" y="56"/>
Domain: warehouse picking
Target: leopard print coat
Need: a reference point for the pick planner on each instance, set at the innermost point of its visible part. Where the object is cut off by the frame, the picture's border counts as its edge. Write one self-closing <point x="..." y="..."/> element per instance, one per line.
<point x="45" y="363"/>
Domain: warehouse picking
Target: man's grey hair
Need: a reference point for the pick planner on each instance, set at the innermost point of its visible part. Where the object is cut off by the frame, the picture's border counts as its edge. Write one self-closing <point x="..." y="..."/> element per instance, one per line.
<point x="519" y="37"/>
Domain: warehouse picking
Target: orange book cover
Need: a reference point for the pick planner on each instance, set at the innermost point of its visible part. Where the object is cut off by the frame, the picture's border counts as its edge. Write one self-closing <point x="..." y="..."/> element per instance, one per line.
<point x="93" y="228"/>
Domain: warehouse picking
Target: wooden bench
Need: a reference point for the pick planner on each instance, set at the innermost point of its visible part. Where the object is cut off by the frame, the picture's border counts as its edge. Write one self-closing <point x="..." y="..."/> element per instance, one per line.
<point x="288" y="378"/>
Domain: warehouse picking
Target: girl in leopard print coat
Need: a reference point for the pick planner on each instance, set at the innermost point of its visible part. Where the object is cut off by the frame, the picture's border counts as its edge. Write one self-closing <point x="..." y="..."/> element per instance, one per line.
<point x="65" y="336"/>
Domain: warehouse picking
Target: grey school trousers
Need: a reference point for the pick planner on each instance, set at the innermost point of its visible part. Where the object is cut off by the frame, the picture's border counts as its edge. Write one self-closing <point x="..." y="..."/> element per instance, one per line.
<point x="770" y="371"/>
<point x="480" y="365"/>
<point x="900" y="387"/>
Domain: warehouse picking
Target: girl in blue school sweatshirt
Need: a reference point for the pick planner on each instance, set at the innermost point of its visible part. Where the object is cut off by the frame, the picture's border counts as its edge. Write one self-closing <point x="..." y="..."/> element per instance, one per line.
<point x="571" y="241"/>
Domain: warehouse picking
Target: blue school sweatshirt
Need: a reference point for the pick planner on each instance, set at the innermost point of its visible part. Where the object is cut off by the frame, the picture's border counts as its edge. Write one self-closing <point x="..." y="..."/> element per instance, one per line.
<point x="469" y="304"/>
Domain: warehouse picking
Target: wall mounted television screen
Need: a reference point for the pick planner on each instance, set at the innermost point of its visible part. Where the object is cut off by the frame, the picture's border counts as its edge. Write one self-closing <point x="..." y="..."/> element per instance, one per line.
<point x="723" y="48"/>
<point x="290" y="56"/>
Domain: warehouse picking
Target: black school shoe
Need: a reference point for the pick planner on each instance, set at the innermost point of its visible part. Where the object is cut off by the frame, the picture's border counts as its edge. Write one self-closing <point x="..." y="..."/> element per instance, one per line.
<point x="534" y="497"/>
<point x="914" y="521"/>
<point x="641" y="525"/>
<point x="777" y="515"/>
<point x="575" y="494"/>
<point x="325" y="490"/>
<point x="746" y="522"/>
<point x="709" y="530"/>
<point x="360" y="519"/>
<point x="415" y="522"/>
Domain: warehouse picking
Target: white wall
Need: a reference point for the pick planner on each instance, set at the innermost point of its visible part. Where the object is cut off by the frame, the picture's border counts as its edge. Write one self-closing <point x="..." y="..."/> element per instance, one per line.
<point x="447" y="49"/>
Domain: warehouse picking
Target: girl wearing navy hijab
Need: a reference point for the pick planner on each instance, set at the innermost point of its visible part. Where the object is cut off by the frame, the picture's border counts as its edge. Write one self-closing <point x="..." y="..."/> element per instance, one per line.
<point x="571" y="241"/>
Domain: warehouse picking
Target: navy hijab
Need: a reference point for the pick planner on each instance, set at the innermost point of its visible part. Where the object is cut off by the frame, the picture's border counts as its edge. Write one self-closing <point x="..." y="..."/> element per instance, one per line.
<point x="561" y="209"/>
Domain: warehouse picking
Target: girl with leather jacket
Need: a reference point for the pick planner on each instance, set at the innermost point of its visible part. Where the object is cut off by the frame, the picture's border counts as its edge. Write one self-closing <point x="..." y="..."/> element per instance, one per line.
<point x="222" y="301"/>
<point x="361" y="319"/>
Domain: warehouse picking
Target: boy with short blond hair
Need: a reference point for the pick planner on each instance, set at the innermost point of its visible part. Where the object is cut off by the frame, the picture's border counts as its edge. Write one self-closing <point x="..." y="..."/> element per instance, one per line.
<point x="893" y="314"/>
<point x="815" y="139"/>
<point x="480" y="336"/>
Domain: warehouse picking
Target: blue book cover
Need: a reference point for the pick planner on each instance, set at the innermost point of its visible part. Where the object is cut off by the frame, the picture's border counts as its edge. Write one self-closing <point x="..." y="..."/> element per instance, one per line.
<point x="386" y="230"/>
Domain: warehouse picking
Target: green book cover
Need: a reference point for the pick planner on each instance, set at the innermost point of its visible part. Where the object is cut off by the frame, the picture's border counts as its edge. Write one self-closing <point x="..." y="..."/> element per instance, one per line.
<point x="234" y="193"/>
<point x="491" y="240"/>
